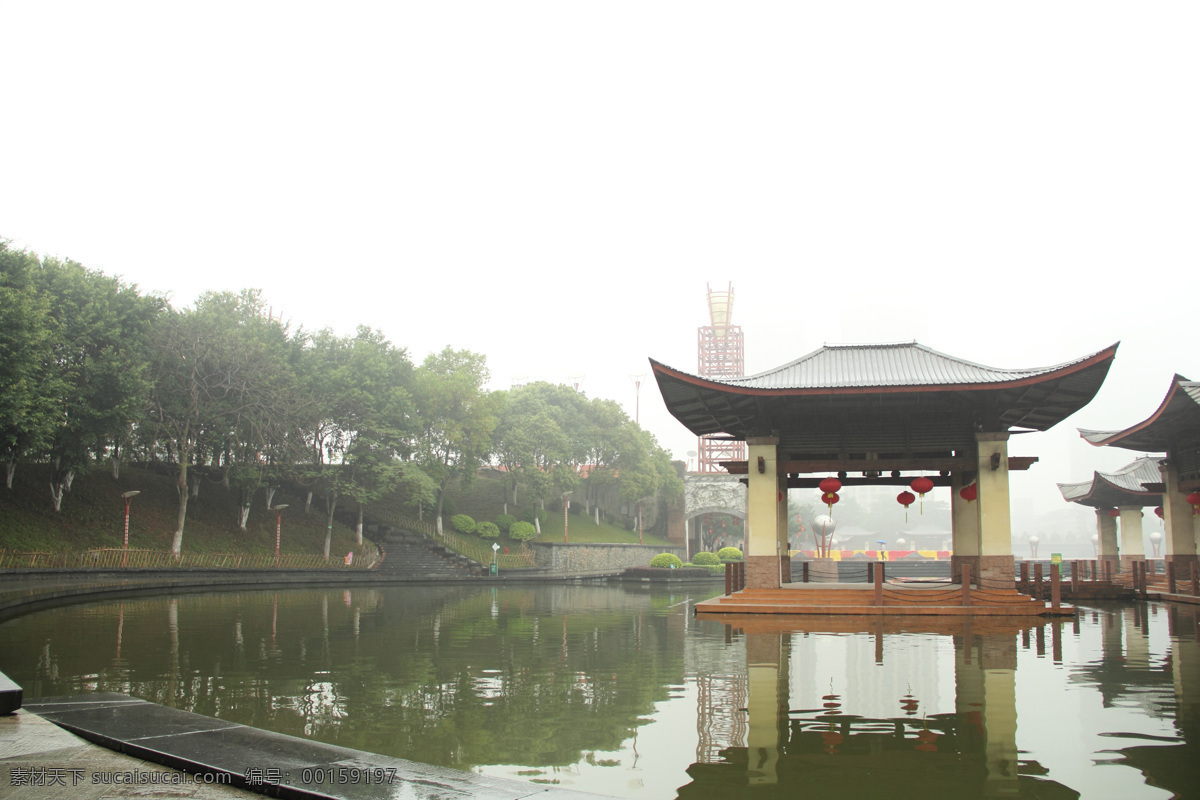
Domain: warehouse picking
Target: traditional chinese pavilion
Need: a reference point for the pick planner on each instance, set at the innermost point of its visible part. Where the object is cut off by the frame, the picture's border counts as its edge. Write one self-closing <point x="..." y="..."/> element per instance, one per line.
<point x="1173" y="429"/>
<point x="1119" y="494"/>
<point x="883" y="414"/>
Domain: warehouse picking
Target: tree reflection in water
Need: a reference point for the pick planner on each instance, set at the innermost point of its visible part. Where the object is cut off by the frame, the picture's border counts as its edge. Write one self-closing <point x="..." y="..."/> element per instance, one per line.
<point x="623" y="691"/>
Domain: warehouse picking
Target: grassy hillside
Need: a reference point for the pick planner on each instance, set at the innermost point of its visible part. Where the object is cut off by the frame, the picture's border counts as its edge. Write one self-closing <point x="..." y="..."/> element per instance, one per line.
<point x="483" y="500"/>
<point x="93" y="516"/>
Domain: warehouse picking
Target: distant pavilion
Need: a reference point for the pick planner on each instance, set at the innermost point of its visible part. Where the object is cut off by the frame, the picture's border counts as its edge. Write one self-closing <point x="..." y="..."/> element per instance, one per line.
<point x="883" y="414"/>
<point x="1127" y="490"/>
<point x="1173" y="429"/>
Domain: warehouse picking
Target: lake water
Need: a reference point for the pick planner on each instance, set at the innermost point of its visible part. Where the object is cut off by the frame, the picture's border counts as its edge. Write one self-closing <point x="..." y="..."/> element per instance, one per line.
<point x="625" y="692"/>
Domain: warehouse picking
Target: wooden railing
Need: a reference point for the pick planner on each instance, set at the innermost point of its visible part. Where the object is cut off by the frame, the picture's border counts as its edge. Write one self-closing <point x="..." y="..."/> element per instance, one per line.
<point x="116" y="558"/>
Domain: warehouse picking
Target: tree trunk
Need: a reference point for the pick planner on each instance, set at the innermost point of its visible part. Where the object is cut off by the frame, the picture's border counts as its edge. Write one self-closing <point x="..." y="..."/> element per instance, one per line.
<point x="331" y="503"/>
<point x="10" y="469"/>
<point x="537" y="523"/>
<point x="181" y="485"/>
<point x="243" y="515"/>
<point x="68" y="479"/>
<point x="441" y="495"/>
<point x="308" y="502"/>
<point x="195" y="483"/>
<point x="329" y="527"/>
<point x="597" y="515"/>
<point x="358" y="529"/>
<point x="270" y="496"/>
<point x="116" y="465"/>
<point x="56" y="494"/>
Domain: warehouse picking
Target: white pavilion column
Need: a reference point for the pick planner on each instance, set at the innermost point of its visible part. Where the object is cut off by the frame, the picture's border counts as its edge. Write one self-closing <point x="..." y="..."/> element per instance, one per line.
<point x="763" y="530"/>
<point x="964" y="526"/>
<point x="1180" y="538"/>
<point x="1132" y="546"/>
<point x="996" y="563"/>
<point x="1106" y="530"/>
<point x="985" y="670"/>
<point x="766" y="693"/>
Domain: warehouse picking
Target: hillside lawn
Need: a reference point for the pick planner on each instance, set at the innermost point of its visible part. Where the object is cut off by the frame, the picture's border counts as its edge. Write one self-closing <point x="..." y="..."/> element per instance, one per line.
<point x="93" y="513"/>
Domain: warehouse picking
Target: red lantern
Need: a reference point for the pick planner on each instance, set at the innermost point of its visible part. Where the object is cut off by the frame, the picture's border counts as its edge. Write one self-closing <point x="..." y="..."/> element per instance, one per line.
<point x="829" y="486"/>
<point x="969" y="493"/>
<point x="921" y="485"/>
<point x="1158" y="512"/>
<point x="906" y="499"/>
<point x="829" y="498"/>
<point x="1194" y="499"/>
<point x="1114" y="513"/>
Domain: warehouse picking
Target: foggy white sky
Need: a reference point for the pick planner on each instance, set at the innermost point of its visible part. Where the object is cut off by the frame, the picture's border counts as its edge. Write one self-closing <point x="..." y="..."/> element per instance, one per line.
<point x="553" y="183"/>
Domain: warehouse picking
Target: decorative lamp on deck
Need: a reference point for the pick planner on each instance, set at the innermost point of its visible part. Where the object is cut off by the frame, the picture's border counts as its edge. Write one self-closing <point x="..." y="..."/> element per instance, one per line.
<point x="906" y="499"/>
<point x="970" y="493"/>
<point x="1158" y="512"/>
<point x="1194" y="500"/>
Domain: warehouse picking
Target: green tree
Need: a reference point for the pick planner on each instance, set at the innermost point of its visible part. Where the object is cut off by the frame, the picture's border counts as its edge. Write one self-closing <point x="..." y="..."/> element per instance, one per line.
<point x="29" y="387"/>
<point x="538" y="439"/>
<point x="365" y="419"/>
<point x="99" y="329"/>
<point x="456" y="418"/>
<point x="217" y="384"/>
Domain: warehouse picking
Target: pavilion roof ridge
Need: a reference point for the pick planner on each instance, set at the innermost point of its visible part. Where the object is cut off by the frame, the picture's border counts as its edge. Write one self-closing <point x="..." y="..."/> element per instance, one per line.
<point x="888" y="364"/>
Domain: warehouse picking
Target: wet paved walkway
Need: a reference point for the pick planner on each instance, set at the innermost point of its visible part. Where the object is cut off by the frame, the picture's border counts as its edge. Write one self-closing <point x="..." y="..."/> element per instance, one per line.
<point x="40" y="760"/>
<point x="168" y="753"/>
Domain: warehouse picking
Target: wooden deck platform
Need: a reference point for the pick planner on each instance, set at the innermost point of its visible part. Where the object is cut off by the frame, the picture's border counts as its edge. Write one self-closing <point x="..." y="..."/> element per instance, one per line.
<point x="886" y="600"/>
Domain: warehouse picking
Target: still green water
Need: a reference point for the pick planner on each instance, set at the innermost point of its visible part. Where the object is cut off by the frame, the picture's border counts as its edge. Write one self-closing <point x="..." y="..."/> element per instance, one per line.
<point x="624" y="692"/>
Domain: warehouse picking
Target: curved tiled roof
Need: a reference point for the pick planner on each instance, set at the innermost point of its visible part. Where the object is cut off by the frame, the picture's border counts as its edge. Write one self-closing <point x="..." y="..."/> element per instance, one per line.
<point x="881" y="398"/>
<point x="1178" y="414"/>
<point x="1122" y="487"/>
<point x="879" y="365"/>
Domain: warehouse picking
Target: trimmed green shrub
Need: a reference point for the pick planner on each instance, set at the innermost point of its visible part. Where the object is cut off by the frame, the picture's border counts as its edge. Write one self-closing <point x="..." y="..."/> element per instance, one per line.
<point x="666" y="560"/>
<point x="729" y="554"/>
<point x="462" y="523"/>
<point x="522" y="531"/>
<point x="505" y="521"/>
<point x="487" y="530"/>
<point x="532" y="513"/>
<point x="704" y="558"/>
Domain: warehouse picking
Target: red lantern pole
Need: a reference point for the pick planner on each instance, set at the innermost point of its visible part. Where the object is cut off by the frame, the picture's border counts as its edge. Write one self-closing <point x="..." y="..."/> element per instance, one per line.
<point x="278" y="524"/>
<point x="125" y="547"/>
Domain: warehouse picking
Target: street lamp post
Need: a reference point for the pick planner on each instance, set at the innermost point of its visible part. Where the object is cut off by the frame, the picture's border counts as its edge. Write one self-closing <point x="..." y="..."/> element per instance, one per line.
<point x="566" y="498"/>
<point x="278" y="524"/>
<point x="125" y="546"/>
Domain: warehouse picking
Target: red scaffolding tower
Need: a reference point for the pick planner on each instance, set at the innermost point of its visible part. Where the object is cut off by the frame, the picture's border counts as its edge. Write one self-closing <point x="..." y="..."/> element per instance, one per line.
<point x="721" y="355"/>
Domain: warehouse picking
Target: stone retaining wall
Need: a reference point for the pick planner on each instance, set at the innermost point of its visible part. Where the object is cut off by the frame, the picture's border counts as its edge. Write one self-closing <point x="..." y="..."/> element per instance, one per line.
<point x="597" y="559"/>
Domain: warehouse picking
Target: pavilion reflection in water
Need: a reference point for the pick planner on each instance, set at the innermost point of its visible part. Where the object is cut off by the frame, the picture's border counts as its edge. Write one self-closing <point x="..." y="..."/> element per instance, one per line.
<point x="938" y="718"/>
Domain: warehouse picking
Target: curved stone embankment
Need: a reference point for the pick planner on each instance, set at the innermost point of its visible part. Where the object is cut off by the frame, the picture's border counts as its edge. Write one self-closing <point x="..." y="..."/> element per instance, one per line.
<point x="24" y="590"/>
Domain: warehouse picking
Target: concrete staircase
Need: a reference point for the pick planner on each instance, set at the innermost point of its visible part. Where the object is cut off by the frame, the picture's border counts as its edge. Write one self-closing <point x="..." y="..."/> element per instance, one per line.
<point x="411" y="556"/>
